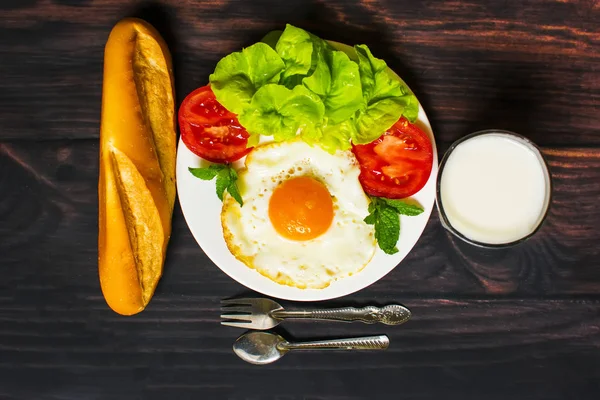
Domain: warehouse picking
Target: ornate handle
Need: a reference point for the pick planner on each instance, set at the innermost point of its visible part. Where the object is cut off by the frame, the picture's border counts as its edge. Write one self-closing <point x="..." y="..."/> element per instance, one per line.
<point x="389" y="315"/>
<point x="380" y="342"/>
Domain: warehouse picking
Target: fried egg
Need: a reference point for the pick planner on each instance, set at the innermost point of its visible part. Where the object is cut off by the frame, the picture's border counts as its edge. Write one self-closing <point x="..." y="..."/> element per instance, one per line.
<point x="302" y="220"/>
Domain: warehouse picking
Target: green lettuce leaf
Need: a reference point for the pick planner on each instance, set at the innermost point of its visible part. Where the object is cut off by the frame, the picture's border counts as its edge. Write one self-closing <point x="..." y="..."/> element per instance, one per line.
<point x="336" y="79"/>
<point x="319" y="79"/>
<point x="239" y="75"/>
<point x="386" y="98"/>
<point x="337" y="136"/>
<point x="271" y="38"/>
<point x="294" y="83"/>
<point x="295" y="47"/>
<point x="376" y="118"/>
<point x="283" y="113"/>
<point x="411" y="109"/>
<point x="377" y="81"/>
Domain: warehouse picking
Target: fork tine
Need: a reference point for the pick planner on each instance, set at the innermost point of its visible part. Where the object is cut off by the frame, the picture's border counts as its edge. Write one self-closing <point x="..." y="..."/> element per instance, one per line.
<point x="236" y="324"/>
<point x="228" y="302"/>
<point x="242" y="309"/>
<point x="237" y="317"/>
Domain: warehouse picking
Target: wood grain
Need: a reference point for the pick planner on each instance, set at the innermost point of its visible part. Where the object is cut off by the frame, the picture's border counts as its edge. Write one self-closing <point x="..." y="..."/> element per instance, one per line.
<point x="473" y="65"/>
<point x="467" y="349"/>
<point x="50" y="202"/>
<point x="520" y="323"/>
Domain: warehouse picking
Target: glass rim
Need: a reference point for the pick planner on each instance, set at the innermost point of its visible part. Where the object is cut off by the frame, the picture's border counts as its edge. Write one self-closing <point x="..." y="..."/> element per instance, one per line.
<point x="444" y="218"/>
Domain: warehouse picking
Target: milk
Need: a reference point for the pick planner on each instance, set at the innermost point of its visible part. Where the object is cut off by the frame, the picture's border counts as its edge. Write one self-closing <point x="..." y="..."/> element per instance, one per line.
<point x="494" y="188"/>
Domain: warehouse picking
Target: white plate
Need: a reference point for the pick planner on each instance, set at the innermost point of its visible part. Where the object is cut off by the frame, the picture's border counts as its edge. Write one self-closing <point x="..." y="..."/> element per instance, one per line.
<point x="201" y="209"/>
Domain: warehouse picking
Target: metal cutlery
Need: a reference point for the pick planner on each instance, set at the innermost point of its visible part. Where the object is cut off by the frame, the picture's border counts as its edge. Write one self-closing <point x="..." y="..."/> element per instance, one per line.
<point x="261" y="313"/>
<point x="265" y="347"/>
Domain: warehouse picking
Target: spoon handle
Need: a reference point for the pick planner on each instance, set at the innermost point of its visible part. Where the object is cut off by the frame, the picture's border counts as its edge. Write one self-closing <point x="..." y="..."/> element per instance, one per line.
<point x="389" y="315"/>
<point x="380" y="342"/>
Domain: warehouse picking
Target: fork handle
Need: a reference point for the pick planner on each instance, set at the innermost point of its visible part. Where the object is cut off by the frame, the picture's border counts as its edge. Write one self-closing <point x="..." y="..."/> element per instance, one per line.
<point x="389" y="315"/>
<point x="380" y="342"/>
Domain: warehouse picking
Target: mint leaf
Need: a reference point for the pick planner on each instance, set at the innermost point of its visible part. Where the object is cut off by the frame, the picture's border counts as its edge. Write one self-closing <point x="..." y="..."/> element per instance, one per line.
<point x="404" y="208"/>
<point x="233" y="174"/>
<point x="383" y="213"/>
<point x="387" y="229"/>
<point x="226" y="179"/>
<point x="235" y="193"/>
<point x="373" y="204"/>
<point x="371" y="219"/>
<point x="207" y="173"/>
<point x="232" y="188"/>
<point x="203" y="173"/>
<point x="223" y="181"/>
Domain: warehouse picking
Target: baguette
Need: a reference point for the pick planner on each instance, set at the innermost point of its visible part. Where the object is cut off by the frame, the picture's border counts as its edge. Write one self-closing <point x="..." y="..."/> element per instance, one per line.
<point x="136" y="188"/>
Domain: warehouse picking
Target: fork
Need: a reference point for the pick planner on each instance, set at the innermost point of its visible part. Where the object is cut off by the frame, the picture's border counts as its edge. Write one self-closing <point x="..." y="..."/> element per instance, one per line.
<point x="264" y="313"/>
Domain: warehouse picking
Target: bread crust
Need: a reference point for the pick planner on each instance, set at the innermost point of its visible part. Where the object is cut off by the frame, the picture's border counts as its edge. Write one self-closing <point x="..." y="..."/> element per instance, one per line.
<point x="136" y="188"/>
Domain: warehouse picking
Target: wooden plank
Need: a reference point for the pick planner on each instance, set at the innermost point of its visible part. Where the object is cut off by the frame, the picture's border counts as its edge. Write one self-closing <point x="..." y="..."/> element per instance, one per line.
<point x="466" y="348"/>
<point x="49" y="204"/>
<point x="521" y="323"/>
<point x="531" y="67"/>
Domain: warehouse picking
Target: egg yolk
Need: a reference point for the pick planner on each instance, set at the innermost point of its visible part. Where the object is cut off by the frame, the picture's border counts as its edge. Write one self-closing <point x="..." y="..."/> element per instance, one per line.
<point x="301" y="208"/>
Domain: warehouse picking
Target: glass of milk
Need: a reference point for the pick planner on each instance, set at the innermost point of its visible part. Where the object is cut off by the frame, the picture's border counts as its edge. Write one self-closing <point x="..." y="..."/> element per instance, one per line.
<point x="493" y="188"/>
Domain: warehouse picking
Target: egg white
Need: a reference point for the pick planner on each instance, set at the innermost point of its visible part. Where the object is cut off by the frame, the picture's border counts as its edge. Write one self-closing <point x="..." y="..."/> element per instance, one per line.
<point x="344" y="249"/>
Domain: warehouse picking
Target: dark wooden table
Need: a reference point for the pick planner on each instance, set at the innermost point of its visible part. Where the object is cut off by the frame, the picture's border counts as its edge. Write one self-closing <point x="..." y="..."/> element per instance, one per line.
<point x="522" y="323"/>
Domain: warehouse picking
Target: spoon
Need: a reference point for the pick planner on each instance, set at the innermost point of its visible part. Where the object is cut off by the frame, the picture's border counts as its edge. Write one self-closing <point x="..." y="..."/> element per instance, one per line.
<point x="265" y="347"/>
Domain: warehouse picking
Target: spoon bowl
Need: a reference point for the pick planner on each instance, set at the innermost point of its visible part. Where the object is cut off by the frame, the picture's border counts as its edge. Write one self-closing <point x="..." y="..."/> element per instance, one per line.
<point x="264" y="347"/>
<point x="260" y="347"/>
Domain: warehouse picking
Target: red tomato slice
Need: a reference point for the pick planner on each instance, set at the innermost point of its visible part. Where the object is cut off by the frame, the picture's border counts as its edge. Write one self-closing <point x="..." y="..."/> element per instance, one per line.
<point x="398" y="164"/>
<point x="209" y="130"/>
